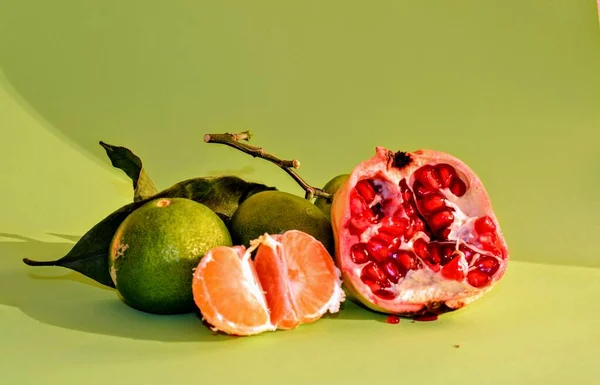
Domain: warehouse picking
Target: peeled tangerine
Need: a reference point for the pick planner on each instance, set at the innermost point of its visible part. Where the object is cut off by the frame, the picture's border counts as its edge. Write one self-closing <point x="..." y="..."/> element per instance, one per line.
<point x="416" y="234"/>
<point x="292" y="281"/>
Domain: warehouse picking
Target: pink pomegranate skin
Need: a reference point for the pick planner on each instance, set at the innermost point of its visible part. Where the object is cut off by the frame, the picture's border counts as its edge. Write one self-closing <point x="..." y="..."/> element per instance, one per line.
<point x="415" y="233"/>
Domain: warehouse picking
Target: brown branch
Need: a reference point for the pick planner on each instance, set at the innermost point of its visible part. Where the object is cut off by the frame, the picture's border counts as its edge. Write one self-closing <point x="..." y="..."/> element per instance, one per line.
<point x="289" y="166"/>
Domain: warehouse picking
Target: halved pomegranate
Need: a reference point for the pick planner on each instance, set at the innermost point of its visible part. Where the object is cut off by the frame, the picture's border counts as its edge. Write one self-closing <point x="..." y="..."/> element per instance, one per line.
<point x="416" y="234"/>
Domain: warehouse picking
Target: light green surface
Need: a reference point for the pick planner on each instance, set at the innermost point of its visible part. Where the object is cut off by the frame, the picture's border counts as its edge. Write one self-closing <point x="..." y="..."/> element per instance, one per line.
<point x="511" y="87"/>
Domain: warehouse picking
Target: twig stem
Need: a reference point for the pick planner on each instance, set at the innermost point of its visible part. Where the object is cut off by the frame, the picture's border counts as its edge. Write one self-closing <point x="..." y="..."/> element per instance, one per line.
<point x="289" y="166"/>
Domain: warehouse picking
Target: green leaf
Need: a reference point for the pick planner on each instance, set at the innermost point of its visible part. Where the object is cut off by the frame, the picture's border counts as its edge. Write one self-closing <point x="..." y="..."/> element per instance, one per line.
<point x="127" y="161"/>
<point x="89" y="256"/>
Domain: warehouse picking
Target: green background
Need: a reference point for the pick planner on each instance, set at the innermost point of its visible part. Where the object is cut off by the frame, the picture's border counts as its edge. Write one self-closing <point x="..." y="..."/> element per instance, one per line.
<point x="512" y="88"/>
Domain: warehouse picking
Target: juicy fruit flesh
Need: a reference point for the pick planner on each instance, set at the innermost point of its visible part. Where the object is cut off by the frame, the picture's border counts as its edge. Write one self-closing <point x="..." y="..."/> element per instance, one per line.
<point x="299" y="277"/>
<point x="419" y="235"/>
<point x="291" y="281"/>
<point x="226" y="290"/>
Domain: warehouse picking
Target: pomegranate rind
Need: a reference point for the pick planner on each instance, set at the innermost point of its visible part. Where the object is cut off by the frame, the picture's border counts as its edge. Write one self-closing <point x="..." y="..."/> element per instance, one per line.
<point x="433" y="295"/>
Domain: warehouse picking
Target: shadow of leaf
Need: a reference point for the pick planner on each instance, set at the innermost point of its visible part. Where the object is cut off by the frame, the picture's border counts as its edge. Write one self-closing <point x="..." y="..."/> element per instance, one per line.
<point x="66" y="299"/>
<point x="73" y="238"/>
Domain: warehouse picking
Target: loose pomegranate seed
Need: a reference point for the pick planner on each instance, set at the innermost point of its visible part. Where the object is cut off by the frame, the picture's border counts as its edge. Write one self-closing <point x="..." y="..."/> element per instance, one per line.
<point x="441" y="219"/>
<point x="389" y="268"/>
<point x="485" y="225"/>
<point x="373" y="272"/>
<point x="477" y="278"/>
<point x="454" y="270"/>
<point x="446" y="173"/>
<point x="458" y="187"/>
<point x="488" y="265"/>
<point x="385" y="294"/>
<point x="359" y="254"/>
<point x="426" y="317"/>
<point x="366" y="190"/>
<point x="433" y="202"/>
<point x="392" y="319"/>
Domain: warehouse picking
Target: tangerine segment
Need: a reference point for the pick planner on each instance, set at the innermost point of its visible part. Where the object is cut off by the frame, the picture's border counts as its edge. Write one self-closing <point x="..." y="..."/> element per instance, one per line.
<point x="271" y="270"/>
<point x="313" y="279"/>
<point x="228" y="293"/>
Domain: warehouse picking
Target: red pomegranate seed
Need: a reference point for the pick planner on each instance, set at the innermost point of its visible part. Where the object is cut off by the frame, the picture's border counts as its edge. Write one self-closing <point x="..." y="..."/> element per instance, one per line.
<point x="458" y="187"/>
<point x="358" y="205"/>
<point x="429" y="177"/>
<point x="392" y="319"/>
<point x="385" y="294"/>
<point x="373" y="285"/>
<point x="434" y="253"/>
<point x="488" y="240"/>
<point x="357" y="226"/>
<point x="420" y="190"/>
<point x="366" y="190"/>
<point x="389" y="268"/>
<point x="396" y="227"/>
<point x="420" y="248"/>
<point x="359" y="254"/>
<point x="378" y="248"/>
<point x="477" y="278"/>
<point x="446" y="252"/>
<point x="444" y="234"/>
<point x="454" y="270"/>
<point x="409" y="209"/>
<point x="487" y="264"/>
<point x="417" y="224"/>
<point x="467" y="252"/>
<point x="433" y="202"/>
<point x="446" y="173"/>
<point x="405" y="259"/>
<point x="392" y="241"/>
<point x="441" y="219"/>
<point x="407" y="195"/>
<point x="485" y="225"/>
<point x="426" y="317"/>
<point x="373" y="272"/>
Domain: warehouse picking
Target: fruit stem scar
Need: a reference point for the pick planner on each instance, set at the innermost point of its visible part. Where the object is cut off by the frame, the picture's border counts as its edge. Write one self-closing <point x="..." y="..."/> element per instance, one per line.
<point x="401" y="159"/>
<point x="289" y="166"/>
<point x="163" y="203"/>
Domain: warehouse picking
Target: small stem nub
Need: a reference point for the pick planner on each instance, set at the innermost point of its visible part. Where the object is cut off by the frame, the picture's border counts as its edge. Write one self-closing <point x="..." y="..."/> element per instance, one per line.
<point x="234" y="140"/>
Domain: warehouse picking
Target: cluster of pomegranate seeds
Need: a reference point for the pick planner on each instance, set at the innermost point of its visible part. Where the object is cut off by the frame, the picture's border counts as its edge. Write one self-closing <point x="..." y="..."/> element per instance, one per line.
<point x="418" y="224"/>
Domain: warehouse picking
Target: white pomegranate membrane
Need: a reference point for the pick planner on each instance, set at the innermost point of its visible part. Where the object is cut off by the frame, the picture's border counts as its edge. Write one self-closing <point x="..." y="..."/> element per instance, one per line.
<point x="416" y="233"/>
